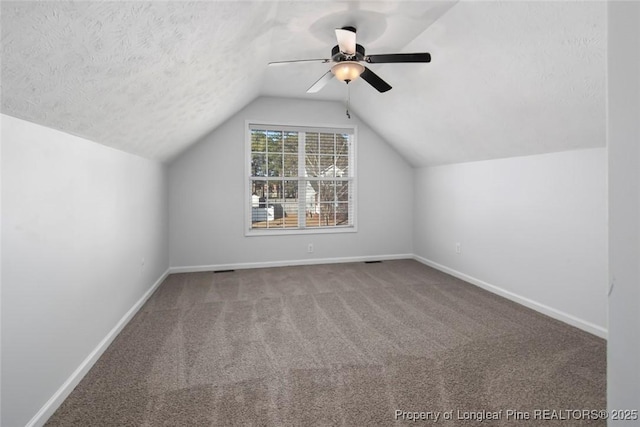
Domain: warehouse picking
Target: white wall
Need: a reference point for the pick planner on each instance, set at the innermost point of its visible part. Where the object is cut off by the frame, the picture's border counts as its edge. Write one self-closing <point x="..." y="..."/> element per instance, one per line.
<point x="534" y="227"/>
<point x="623" y="352"/>
<point x="207" y="195"/>
<point x="77" y="218"/>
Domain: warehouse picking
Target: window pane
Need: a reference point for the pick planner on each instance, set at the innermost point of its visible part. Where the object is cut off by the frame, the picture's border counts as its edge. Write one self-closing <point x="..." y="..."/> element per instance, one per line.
<point x="342" y="166"/>
<point x="312" y="164"/>
<point x="258" y="187"/>
<point x="258" y="219"/>
<point x="327" y="143"/>
<point x="326" y="191"/>
<point x="342" y="145"/>
<point x="311" y="143"/>
<point x="258" y="164"/>
<point x="274" y="191"/>
<point x="290" y="165"/>
<point x="313" y="214"/>
<point x="342" y="214"/>
<point x="258" y="203"/>
<point x="258" y="140"/>
<point x="275" y="164"/>
<point x="327" y="167"/>
<point x="289" y="205"/>
<point x="291" y="142"/>
<point x="342" y="191"/>
<point x="291" y="191"/>
<point x="274" y="141"/>
<point x="327" y="213"/>
<point x="310" y="197"/>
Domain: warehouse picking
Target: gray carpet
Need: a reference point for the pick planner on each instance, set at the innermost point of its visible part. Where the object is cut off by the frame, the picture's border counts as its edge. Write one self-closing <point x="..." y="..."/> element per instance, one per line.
<point x="342" y="344"/>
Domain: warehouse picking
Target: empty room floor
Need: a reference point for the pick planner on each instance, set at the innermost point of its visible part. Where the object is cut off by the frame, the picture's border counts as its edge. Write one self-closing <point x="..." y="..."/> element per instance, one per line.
<point x="339" y="344"/>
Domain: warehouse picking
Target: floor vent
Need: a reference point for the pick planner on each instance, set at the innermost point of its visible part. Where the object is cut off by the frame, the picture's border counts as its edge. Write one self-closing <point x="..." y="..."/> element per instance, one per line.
<point x="372" y="262"/>
<point x="224" y="271"/>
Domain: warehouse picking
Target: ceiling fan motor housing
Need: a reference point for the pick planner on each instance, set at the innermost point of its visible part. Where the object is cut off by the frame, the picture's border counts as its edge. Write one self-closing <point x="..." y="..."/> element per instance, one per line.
<point x="338" y="56"/>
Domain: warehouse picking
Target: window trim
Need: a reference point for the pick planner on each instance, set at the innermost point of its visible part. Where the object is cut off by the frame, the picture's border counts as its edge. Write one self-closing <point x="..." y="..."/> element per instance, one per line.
<point x="248" y="231"/>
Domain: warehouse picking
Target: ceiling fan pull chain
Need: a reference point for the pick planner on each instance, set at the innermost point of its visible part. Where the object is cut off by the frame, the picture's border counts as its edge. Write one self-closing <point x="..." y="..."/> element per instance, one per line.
<point x="348" y="100"/>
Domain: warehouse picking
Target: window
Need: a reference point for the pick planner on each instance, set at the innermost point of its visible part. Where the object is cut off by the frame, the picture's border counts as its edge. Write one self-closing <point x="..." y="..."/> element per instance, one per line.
<point x="300" y="180"/>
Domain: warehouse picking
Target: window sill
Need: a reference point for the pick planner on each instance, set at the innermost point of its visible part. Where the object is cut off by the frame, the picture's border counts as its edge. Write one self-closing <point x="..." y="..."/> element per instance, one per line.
<point x="285" y="232"/>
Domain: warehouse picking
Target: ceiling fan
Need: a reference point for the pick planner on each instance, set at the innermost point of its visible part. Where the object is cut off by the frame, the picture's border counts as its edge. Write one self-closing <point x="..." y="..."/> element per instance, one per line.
<point x="347" y="57"/>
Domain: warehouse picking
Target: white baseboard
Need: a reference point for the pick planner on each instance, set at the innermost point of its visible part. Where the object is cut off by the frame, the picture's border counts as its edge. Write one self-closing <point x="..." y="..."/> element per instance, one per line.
<point x="290" y="263"/>
<point x="61" y="394"/>
<point x="534" y="305"/>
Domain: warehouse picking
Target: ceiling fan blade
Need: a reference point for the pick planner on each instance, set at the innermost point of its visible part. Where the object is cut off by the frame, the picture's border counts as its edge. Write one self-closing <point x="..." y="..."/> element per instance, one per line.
<point x="322" y="81"/>
<point x="399" y="57"/>
<point x="346" y="40"/>
<point x="323" y="61"/>
<point x="374" y="80"/>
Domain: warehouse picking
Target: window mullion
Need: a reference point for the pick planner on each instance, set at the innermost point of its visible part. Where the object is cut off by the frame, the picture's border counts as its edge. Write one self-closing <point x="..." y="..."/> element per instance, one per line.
<point x="302" y="183"/>
<point x="335" y="182"/>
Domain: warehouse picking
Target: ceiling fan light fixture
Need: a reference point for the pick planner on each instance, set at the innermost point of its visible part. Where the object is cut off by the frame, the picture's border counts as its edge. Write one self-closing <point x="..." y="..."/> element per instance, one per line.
<point x="347" y="71"/>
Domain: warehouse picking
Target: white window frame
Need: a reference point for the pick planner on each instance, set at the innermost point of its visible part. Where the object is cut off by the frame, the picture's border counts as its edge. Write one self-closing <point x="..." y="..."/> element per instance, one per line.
<point x="248" y="231"/>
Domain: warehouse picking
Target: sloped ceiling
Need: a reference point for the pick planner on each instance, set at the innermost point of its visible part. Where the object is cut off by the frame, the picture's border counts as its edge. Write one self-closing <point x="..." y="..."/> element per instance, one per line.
<point x="151" y="78"/>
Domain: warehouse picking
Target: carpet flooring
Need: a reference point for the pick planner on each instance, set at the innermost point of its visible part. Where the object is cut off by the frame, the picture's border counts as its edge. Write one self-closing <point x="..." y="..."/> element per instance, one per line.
<point x="340" y="344"/>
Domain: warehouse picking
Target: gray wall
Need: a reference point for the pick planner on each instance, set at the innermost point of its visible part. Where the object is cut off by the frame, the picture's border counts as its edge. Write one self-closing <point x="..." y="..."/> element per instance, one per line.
<point x="623" y="375"/>
<point x="207" y="195"/>
<point x="77" y="219"/>
<point x="533" y="228"/>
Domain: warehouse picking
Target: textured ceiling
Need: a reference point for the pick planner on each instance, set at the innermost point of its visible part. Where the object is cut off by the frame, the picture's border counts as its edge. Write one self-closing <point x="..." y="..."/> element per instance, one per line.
<point x="145" y="77"/>
<point x="507" y="78"/>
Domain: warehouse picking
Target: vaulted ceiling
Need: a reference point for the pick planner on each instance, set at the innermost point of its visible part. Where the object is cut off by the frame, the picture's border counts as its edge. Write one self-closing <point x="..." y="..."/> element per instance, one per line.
<point x="151" y="78"/>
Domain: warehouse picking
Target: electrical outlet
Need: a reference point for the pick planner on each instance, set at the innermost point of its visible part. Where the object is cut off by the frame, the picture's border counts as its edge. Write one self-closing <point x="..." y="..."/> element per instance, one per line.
<point x="458" y="248"/>
<point x="310" y="248"/>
